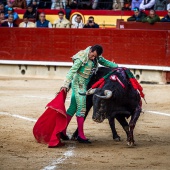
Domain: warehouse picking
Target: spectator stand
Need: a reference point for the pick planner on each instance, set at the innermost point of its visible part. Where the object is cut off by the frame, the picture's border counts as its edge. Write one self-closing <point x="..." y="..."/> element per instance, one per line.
<point x="105" y="18"/>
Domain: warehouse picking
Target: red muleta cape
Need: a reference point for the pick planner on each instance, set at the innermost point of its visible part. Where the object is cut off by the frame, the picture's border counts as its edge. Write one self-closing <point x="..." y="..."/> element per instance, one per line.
<point x="54" y="120"/>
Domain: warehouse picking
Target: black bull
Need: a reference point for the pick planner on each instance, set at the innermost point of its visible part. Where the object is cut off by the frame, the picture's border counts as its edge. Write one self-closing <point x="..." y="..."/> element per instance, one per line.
<point x="113" y="101"/>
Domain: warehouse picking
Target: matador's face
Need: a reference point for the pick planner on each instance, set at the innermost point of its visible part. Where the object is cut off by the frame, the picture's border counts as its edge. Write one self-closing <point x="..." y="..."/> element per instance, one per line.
<point x="92" y="55"/>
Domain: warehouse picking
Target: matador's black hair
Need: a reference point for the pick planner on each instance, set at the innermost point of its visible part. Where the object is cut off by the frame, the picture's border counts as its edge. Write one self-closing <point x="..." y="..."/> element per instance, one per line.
<point x="98" y="49"/>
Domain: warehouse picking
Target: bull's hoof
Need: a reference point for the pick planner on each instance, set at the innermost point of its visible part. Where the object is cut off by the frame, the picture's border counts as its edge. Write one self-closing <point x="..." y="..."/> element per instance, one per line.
<point x="131" y="144"/>
<point x="116" y="138"/>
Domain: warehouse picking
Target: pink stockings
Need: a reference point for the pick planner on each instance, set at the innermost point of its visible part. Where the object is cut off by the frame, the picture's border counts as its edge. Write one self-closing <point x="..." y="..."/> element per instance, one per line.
<point x="80" y="124"/>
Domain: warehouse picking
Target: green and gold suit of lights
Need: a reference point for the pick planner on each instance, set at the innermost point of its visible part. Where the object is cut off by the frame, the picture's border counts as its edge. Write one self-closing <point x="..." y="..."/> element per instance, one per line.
<point x="79" y="75"/>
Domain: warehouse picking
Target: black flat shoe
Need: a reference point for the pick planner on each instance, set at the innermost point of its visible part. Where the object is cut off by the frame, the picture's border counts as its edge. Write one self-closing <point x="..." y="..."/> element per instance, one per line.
<point x="63" y="137"/>
<point x="80" y="140"/>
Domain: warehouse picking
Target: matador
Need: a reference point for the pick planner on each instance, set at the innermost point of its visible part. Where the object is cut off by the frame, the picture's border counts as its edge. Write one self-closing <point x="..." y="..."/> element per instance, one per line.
<point x="85" y="63"/>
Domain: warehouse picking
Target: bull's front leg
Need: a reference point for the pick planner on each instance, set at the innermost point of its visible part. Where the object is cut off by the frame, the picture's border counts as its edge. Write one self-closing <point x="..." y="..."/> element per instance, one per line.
<point x="122" y="120"/>
<point x="132" y="124"/>
<point x="111" y="120"/>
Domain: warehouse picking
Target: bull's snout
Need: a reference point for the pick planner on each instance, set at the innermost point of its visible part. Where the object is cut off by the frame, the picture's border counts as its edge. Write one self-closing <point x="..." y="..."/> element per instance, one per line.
<point x="98" y="119"/>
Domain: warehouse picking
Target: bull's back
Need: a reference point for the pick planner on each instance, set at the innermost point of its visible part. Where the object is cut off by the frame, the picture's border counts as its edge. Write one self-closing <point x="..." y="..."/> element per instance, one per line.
<point x="101" y="72"/>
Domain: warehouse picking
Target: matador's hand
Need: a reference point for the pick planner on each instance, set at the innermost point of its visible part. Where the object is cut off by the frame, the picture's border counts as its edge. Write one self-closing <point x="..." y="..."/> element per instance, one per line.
<point x="64" y="88"/>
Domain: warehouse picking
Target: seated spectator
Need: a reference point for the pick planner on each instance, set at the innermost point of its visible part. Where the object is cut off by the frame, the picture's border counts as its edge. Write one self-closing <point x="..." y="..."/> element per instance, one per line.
<point x="26" y="23"/>
<point x="103" y="4"/>
<point x="160" y="5"/>
<point x="118" y="4"/>
<point x="64" y="3"/>
<point x="20" y="4"/>
<point x="90" y="23"/>
<point x="30" y="12"/>
<point x="95" y="4"/>
<point x="11" y="12"/>
<point x="74" y="4"/>
<point x="2" y="17"/>
<point x="147" y="4"/>
<point x="28" y="2"/>
<point x="34" y="3"/>
<point x="58" y="4"/>
<point x="8" y="5"/>
<point x="10" y="22"/>
<point x="2" y="9"/>
<point x="168" y="5"/>
<point x="152" y="17"/>
<point x="135" y="3"/>
<point x="84" y="4"/>
<point x="78" y="23"/>
<point x="126" y="5"/>
<point x="167" y="17"/>
<point x="61" y="22"/>
<point x="45" y="4"/>
<point x="42" y="22"/>
<point x="138" y="15"/>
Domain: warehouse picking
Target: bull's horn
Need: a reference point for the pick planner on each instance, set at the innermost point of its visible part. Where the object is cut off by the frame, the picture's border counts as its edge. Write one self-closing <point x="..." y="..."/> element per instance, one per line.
<point x="90" y="91"/>
<point x="108" y="95"/>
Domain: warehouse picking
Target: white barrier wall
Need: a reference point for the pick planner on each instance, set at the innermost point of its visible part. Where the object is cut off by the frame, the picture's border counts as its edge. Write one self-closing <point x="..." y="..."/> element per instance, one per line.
<point x="59" y="70"/>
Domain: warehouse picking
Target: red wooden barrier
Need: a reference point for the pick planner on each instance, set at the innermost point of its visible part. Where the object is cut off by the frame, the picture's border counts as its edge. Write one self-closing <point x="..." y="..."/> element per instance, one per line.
<point x="140" y="25"/>
<point x="139" y="47"/>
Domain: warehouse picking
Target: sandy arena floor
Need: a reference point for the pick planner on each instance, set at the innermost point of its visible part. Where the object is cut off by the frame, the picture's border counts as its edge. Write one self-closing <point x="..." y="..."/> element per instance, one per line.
<point x="28" y="97"/>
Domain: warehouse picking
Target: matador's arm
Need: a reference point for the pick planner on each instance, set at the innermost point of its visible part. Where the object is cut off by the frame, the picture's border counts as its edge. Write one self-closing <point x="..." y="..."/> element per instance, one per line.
<point x="69" y="77"/>
<point x="106" y="63"/>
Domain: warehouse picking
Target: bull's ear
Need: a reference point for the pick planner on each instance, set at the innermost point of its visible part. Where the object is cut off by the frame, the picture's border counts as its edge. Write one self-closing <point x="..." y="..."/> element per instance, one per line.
<point x="90" y="91"/>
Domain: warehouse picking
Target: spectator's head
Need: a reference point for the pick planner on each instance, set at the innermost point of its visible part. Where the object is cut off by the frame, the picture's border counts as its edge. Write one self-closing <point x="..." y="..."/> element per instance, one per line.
<point x="25" y="19"/>
<point x="30" y="8"/>
<point x="136" y="11"/>
<point x="61" y="15"/>
<point x="1" y="7"/>
<point x="2" y="15"/>
<point x="10" y="18"/>
<point x="42" y="16"/>
<point x="91" y="21"/>
<point x="78" y="18"/>
<point x="151" y="13"/>
<point x="75" y="1"/>
<point x="10" y="3"/>
<point x="169" y="12"/>
<point x="95" y="51"/>
<point x="10" y="10"/>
